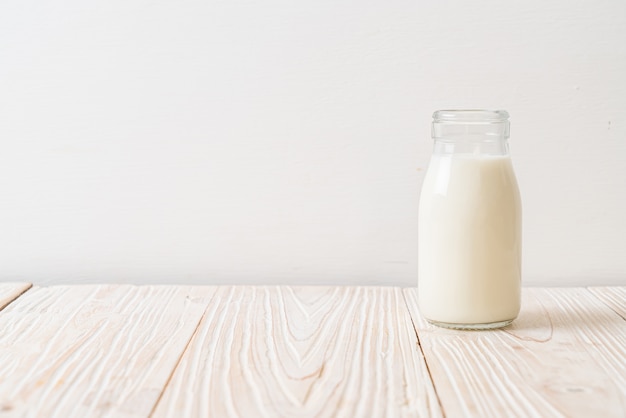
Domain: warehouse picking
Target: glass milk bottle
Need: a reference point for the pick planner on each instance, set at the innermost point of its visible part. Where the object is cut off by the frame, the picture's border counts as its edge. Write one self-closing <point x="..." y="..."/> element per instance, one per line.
<point x="470" y="219"/>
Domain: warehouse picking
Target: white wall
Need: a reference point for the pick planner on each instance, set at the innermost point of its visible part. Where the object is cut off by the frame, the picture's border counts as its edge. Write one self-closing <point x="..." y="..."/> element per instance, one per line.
<point x="285" y="141"/>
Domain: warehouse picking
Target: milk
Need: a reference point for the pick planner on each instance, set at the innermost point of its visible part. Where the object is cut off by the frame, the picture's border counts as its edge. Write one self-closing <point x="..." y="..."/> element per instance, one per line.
<point x="469" y="240"/>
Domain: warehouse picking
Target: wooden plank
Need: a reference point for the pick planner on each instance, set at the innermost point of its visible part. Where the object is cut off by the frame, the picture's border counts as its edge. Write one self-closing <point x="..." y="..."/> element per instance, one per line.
<point x="302" y="352"/>
<point x="89" y="351"/>
<point x="10" y="291"/>
<point x="565" y="356"/>
<point x="614" y="297"/>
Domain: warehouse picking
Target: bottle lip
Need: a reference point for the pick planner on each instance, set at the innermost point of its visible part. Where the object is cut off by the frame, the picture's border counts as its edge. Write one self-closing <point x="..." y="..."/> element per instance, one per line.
<point x="470" y="115"/>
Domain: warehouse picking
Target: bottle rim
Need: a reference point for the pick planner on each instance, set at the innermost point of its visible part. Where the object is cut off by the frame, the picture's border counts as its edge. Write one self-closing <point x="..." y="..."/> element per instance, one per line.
<point x="470" y="116"/>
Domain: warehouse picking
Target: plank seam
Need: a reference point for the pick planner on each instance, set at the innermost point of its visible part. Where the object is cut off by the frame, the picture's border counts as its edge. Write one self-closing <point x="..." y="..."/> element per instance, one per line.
<point x="26" y="289"/>
<point x="180" y="357"/>
<point x="419" y="344"/>
<point x="588" y="289"/>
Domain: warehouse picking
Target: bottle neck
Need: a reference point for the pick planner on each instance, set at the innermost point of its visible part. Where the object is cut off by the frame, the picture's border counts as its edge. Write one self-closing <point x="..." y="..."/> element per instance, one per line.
<point x="471" y="132"/>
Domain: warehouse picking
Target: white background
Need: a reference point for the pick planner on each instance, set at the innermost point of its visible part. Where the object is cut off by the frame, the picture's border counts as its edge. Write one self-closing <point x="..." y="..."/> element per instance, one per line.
<point x="286" y="141"/>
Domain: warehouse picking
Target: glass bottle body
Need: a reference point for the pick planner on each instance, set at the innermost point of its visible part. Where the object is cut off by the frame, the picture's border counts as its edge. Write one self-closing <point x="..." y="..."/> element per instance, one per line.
<point x="469" y="238"/>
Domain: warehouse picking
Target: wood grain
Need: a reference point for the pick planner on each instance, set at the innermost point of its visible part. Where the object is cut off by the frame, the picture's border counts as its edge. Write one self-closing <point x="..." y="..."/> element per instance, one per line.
<point x="613" y="297"/>
<point x="565" y="356"/>
<point x="89" y="351"/>
<point x="10" y="291"/>
<point x="302" y="352"/>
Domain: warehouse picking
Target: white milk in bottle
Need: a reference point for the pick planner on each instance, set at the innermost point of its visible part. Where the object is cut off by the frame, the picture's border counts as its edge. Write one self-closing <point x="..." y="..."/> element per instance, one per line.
<point x="469" y="273"/>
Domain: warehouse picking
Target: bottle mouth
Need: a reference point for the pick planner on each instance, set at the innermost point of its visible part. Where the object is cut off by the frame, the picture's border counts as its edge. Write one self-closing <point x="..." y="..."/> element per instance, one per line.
<point x="470" y="125"/>
<point x="470" y="116"/>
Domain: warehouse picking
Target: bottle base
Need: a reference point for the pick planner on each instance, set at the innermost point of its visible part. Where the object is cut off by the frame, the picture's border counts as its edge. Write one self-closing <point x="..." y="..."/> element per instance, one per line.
<point x="470" y="327"/>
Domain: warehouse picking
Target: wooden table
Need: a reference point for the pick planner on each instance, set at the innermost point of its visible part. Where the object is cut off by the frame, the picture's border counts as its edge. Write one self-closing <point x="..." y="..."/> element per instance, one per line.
<point x="175" y="351"/>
